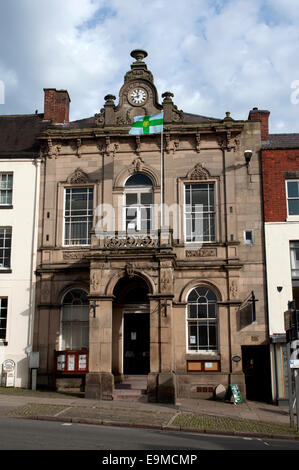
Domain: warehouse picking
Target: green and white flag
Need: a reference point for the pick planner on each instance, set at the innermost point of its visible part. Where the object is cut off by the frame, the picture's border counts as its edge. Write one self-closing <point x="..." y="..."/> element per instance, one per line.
<point x="147" y="124"/>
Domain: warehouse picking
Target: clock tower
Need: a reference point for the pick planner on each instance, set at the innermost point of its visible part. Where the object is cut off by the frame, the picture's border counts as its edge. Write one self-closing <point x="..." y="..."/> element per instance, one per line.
<point x="137" y="97"/>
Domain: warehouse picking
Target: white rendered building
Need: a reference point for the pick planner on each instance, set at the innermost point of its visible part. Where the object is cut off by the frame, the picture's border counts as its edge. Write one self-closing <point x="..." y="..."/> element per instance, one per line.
<point x="19" y="191"/>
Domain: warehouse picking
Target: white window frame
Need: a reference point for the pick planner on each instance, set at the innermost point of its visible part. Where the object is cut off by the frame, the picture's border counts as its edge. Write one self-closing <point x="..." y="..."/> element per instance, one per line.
<point x="91" y="216"/>
<point x="2" y="267"/>
<point x="294" y="245"/>
<point x="138" y="207"/>
<point x="3" y="340"/>
<point x="294" y="217"/>
<point x="6" y="189"/>
<point x="192" y="183"/>
<point x="198" y="350"/>
<point x="248" y="241"/>
<point x="61" y="339"/>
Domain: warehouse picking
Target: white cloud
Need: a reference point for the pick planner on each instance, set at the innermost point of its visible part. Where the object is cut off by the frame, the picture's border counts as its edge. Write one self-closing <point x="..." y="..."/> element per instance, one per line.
<point x="214" y="55"/>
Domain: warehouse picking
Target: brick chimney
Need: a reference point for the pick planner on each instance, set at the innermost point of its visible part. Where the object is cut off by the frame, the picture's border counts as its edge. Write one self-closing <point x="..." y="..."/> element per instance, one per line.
<point x="263" y="116"/>
<point x="56" y="105"/>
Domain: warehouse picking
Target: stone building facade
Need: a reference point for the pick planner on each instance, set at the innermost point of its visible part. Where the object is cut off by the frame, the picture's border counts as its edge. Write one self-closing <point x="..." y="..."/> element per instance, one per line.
<point x="124" y="290"/>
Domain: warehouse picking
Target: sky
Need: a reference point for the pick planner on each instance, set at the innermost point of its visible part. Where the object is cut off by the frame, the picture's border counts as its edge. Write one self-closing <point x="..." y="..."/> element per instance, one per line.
<point x="214" y="55"/>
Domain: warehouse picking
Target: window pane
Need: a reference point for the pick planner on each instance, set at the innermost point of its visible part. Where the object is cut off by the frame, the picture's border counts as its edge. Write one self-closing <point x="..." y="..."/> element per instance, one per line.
<point x="192" y="311"/>
<point x="146" y="198"/>
<point x="193" y="336"/>
<point x="293" y="189"/>
<point x="202" y="311"/>
<point x="131" y="218"/>
<point x="131" y="198"/>
<point x="293" y="206"/>
<point x="212" y="336"/>
<point x="139" y="179"/>
<point x="203" y="336"/>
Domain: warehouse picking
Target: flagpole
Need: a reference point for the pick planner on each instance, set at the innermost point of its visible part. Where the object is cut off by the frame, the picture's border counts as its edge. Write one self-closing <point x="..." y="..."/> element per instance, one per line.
<point x="162" y="183"/>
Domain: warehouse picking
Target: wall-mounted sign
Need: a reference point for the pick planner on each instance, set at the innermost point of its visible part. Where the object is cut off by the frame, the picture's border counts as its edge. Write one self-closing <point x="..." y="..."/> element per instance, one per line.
<point x="236" y="358"/>
<point x="8" y="365"/>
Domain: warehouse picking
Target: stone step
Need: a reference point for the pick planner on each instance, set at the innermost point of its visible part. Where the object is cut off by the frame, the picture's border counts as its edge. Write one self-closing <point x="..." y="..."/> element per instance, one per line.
<point x="130" y="395"/>
<point x="132" y="388"/>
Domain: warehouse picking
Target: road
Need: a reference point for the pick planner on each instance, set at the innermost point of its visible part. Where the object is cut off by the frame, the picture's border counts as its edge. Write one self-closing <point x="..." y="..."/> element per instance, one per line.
<point x="21" y="434"/>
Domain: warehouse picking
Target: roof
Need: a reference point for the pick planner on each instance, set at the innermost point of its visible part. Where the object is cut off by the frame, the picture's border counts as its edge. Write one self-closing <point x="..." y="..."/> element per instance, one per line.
<point x="281" y="141"/>
<point x="188" y="117"/>
<point x="18" y="134"/>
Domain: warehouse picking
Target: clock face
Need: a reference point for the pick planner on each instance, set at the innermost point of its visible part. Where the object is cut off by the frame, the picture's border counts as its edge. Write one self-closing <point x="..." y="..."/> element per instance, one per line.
<point x="138" y="96"/>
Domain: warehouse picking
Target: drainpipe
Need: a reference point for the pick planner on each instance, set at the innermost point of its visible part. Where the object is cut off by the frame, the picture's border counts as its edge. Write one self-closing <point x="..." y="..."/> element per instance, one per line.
<point x="32" y="283"/>
<point x="227" y="274"/>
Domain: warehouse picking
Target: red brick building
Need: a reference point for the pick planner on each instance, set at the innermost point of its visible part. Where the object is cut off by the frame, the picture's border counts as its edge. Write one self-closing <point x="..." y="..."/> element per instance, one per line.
<point x="280" y="174"/>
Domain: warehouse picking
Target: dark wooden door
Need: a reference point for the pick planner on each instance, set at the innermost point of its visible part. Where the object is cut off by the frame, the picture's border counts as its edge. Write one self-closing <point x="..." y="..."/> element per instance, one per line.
<point x="136" y="343"/>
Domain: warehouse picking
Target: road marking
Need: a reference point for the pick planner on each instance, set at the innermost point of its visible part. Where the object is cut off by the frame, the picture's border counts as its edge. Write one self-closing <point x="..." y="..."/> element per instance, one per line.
<point x="66" y="424"/>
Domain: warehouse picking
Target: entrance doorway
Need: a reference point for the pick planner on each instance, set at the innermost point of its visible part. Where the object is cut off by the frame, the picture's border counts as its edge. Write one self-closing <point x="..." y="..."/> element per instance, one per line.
<point x="136" y="343"/>
<point x="256" y="367"/>
<point x="131" y="326"/>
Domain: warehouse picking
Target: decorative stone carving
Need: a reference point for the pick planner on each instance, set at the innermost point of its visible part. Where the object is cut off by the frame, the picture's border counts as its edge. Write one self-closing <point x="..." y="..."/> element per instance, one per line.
<point x="99" y="118"/>
<point x="197" y="139"/>
<point x="129" y="269"/>
<point x="171" y="112"/>
<point x="137" y="137"/>
<point x="221" y="141"/>
<point x="177" y="115"/>
<point x="72" y="255"/>
<point x="124" y="120"/>
<point x="78" y="146"/>
<point x="94" y="281"/>
<point x="78" y="177"/>
<point x="53" y="150"/>
<point x="198" y="173"/>
<point x="45" y="291"/>
<point x="137" y="165"/>
<point x="166" y="280"/>
<point x="201" y="253"/>
<point x="131" y="241"/>
<point x="233" y="289"/>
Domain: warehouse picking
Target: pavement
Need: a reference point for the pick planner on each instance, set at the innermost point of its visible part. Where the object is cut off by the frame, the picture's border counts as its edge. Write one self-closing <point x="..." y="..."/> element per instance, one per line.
<point x="188" y="415"/>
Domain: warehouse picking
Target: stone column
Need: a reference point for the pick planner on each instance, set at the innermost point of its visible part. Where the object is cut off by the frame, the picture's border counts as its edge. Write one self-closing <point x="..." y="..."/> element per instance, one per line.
<point x="161" y="380"/>
<point x="100" y="380"/>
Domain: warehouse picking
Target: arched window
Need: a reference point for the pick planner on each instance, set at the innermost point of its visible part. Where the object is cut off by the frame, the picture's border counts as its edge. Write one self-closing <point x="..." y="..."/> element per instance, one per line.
<point x="75" y="320"/>
<point x="202" y="320"/>
<point x="139" y="199"/>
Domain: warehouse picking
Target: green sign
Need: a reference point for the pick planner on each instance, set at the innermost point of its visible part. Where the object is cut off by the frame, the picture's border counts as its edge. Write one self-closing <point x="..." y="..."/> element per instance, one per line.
<point x="233" y="392"/>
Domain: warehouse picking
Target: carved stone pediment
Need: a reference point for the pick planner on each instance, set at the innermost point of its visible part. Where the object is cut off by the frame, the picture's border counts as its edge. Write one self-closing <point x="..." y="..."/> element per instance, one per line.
<point x="78" y="177"/>
<point x="198" y="173"/>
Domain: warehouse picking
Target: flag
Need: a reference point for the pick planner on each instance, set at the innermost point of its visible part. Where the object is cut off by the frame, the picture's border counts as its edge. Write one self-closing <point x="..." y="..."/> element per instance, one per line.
<point x="147" y="124"/>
